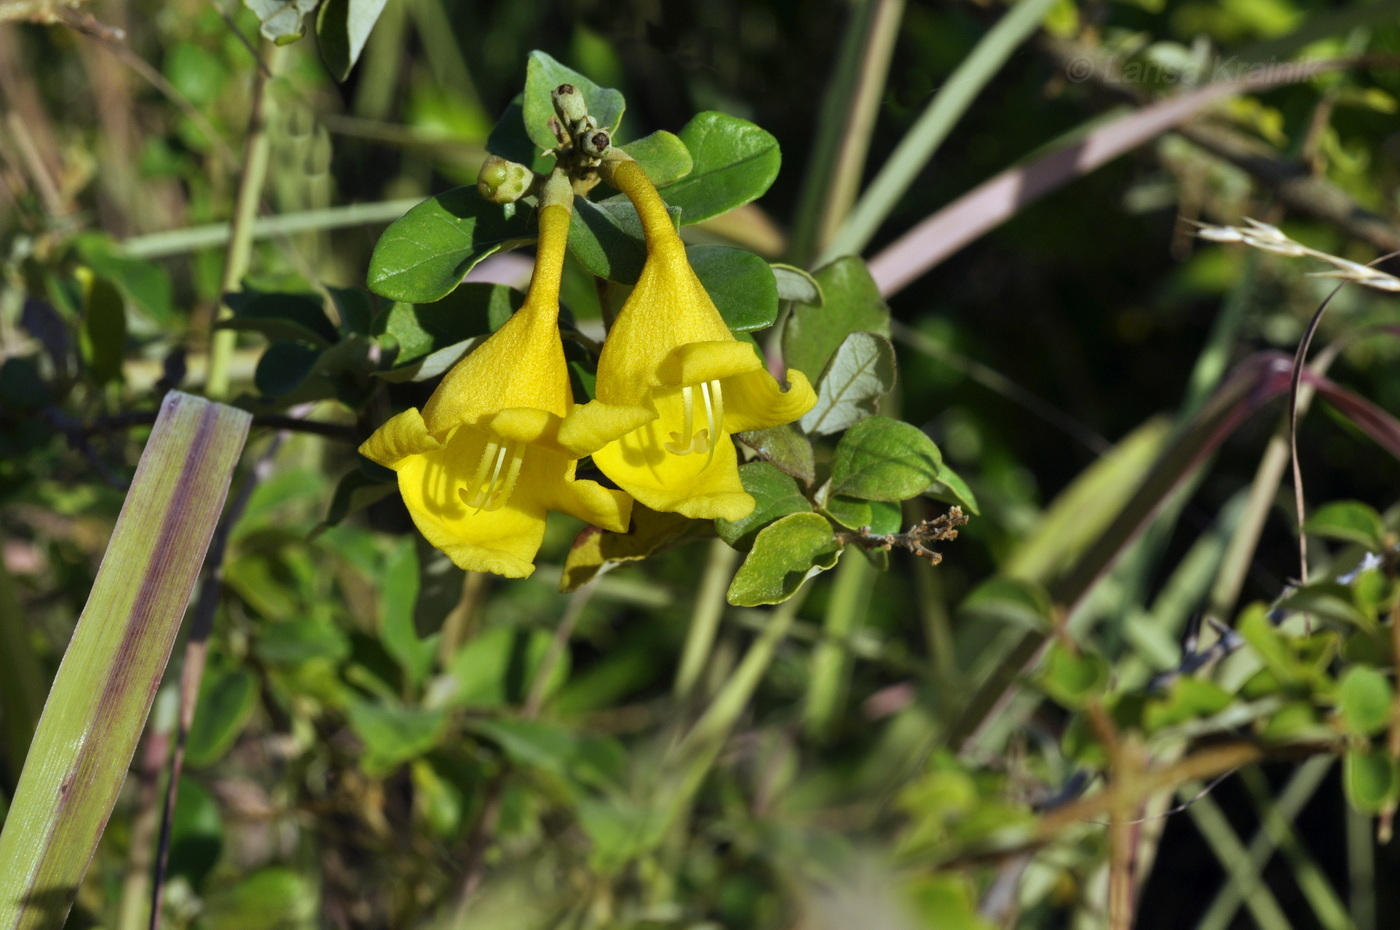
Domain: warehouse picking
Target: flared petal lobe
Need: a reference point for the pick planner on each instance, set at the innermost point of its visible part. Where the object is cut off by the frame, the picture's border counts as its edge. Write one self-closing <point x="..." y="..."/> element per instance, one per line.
<point x="483" y="463"/>
<point x="670" y="351"/>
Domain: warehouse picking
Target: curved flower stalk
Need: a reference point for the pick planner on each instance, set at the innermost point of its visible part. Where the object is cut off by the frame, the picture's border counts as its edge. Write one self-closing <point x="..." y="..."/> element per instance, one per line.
<point x="670" y="352"/>
<point x="483" y="462"/>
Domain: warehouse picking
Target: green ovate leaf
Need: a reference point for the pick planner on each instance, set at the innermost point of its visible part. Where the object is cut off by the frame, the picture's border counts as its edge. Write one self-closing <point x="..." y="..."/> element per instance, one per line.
<point x="573" y="760"/>
<point x="859" y="374"/>
<point x="1365" y="699"/>
<point x="1072" y="680"/>
<point x="784" y="447"/>
<point x="852" y="304"/>
<point x="881" y="459"/>
<point x="300" y="317"/>
<point x="734" y="163"/>
<point x="284" y="367"/>
<point x="425" y="253"/>
<point x="796" y="284"/>
<point x="226" y="700"/>
<point x="775" y="495"/>
<point x="1371" y="780"/>
<point x="620" y="831"/>
<point x="144" y="283"/>
<point x="739" y="282"/>
<point x="103" y="335"/>
<point x="1348" y="521"/>
<point x="283" y="21"/>
<point x="1186" y="699"/>
<point x="542" y="75"/>
<point x="342" y="27"/>
<point x="272" y="898"/>
<point x="784" y="554"/>
<point x="393" y="734"/>
<point x="662" y="155"/>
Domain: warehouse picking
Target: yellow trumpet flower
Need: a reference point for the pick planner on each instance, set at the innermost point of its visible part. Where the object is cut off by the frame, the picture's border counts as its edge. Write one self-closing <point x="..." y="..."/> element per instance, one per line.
<point x="670" y="352"/>
<point x="483" y="463"/>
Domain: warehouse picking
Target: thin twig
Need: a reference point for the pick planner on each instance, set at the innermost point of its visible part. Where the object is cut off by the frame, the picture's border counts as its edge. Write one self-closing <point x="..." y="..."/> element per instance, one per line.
<point x="918" y="539"/>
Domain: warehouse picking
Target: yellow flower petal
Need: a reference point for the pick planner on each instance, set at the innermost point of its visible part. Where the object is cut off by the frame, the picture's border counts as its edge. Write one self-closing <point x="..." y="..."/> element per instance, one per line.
<point x="436" y="486"/>
<point x="403" y="436"/>
<point x="700" y="485"/>
<point x="697" y="362"/>
<point x="590" y="426"/>
<point x="754" y="400"/>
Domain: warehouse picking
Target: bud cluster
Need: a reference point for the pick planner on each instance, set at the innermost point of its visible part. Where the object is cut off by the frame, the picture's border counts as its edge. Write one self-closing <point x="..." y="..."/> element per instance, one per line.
<point x="582" y="147"/>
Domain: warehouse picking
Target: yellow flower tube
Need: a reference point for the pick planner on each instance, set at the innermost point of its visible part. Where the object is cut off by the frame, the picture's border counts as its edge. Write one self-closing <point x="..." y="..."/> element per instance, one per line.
<point x="483" y="463"/>
<point x="670" y="352"/>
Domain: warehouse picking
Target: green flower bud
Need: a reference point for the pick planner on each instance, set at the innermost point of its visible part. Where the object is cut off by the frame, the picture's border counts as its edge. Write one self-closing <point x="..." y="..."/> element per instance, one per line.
<point x="504" y="181"/>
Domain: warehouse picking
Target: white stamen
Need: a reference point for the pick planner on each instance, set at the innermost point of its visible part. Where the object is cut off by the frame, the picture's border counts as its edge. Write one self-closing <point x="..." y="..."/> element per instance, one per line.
<point x="680" y="442"/>
<point x="492" y="494"/>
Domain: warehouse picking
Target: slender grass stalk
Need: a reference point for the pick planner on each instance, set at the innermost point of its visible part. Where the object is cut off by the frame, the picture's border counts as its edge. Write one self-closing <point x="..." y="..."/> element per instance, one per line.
<point x="256" y="148"/>
<point x="1361" y="868"/>
<point x="213" y="235"/>
<point x="704" y="619"/>
<point x="837" y="158"/>
<point x="831" y="662"/>
<point x="933" y="126"/>
<point x="1243" y="876"/>
<point x="1321" y="896"/>
<point x="723" y="713"/>
<point x="105" y="686"/>
<point x="1245" y="870"/>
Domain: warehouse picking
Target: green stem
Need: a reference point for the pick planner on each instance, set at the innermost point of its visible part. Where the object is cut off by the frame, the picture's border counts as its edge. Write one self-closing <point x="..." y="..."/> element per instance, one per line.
<point x="704" y="619"/>
<point x="256" y="149"/>
<point x="831" y="665"/>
